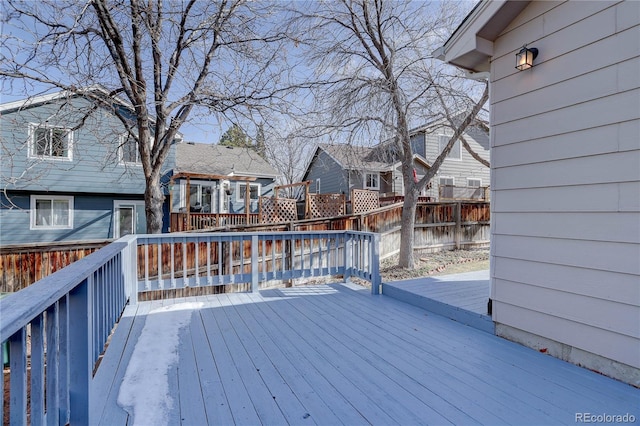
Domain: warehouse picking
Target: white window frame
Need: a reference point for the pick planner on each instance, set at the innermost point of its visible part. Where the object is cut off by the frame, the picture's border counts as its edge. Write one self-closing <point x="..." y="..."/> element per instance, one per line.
<point x="474" y="179"/>
<point x="32" y="142"/>
<point x="241" y="188"/>
<point x="185" y="199"/>
<point x="364" y="181"/>
<point x="453" y="180"/>
<point x="116" y="207"/>
<point x="443" y="140"/>
<point x="317" y="185"/>
<point x="121" y="142"/>
<point x="33" y="213"/>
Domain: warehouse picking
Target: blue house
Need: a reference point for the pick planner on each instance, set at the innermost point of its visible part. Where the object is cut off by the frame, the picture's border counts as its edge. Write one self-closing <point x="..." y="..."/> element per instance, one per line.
<point x="68" y="170"/>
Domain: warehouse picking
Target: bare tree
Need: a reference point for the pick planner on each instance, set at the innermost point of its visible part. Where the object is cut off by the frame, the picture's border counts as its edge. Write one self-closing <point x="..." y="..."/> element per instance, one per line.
<point x="375" y="79"/>
<point x="167" y="59"/>
<point x="288" y="153"/>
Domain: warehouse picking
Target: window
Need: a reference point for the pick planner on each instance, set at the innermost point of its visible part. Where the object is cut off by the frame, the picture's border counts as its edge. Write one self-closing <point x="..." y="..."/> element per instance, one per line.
<point x="129" y="218"/>
<point x="128" y="149"/>
<point x="446" y="187"/>
<point x="51" y="212"/>
<point x="456" y="150"/>
<point x="254" y="191"/>
<point x="372" y="180"/>
<point x="200" y="198"/>
<point x="448" y="181"/>
<point x="474" y="183"/>
<point x="318" y="186"/>
<point x="50" y="142"/>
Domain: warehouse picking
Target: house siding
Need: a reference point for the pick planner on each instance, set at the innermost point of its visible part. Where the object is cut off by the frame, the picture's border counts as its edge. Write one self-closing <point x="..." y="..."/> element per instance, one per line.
<point x="333" y="179"/>
<point x="238" y="205"/>
<point x="94" y="168"/>
<point x="565" y="178"/>
<point x="94" y="176"/>
<point x="461" y="170"/>
<point x="92" y="219"/>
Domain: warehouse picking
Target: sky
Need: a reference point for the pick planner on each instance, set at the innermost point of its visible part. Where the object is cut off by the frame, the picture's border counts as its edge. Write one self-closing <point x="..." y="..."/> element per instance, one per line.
<point x="201" y="127"/>
<point x="198" y="129"/>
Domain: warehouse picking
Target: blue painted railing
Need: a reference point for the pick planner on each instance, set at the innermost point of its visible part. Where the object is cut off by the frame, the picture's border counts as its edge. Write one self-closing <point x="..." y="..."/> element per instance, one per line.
<point x="174" y="261"/>
<point x="60" y="325"/>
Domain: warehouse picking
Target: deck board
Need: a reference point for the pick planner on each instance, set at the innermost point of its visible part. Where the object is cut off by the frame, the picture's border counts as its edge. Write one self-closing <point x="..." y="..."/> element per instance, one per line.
<point x="320" y="396"/>
<point x="331" y="354"/>
<point x="217" y="408"/>
<point x="191" y="400"/>
<point x="365" y="371"/>
<point x="326" y="364"/>
<point x="469" y="290"/>
<point x="461" y="297"/>
<point x="567" y="385"/>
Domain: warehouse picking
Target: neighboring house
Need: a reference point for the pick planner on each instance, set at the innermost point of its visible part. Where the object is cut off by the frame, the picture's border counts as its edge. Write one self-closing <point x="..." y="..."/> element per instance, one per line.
<point x="565" y="183"/>
<point x="460" y="175"/>
<point x="69" y="171"/>
<point x="219" y="179"/>
<point x="335" y="169"/>
<point x="341" y="168"/>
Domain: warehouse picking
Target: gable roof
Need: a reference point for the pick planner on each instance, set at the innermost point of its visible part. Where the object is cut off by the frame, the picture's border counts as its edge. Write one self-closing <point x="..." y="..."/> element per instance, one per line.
<point x="351" y="157"/>
<point x="209" y="159"/>
<point x="92" y="93"/>
<point x="95" y="91"/>
<point x="360" y="158"/>
<point x="478" y="129"/>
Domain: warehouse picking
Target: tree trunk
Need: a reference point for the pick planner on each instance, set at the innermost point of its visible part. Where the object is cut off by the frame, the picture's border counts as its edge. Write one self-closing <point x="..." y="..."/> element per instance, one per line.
<point x="406" y="259"/>
<point x="153" y="201"/>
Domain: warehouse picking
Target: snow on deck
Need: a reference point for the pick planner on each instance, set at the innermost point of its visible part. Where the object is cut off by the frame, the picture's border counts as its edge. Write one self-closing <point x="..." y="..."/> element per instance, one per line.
<point x="331" y="354"/>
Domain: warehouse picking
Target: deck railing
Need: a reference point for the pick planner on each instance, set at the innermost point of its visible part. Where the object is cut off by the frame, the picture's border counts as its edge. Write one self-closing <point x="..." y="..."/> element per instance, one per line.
<point x="181" y="222"/>
<point x="57" y="328"/>
<point x="174" y="261"/>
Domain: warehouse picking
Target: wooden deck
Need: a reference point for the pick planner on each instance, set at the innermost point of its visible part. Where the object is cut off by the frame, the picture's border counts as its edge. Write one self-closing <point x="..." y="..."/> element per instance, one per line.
<point x="460" y="297"/>
<point x="334" y="355"/>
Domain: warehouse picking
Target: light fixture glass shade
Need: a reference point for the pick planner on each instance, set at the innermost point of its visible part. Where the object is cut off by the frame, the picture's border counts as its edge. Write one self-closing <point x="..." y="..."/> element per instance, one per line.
<point x="525" y="57"/>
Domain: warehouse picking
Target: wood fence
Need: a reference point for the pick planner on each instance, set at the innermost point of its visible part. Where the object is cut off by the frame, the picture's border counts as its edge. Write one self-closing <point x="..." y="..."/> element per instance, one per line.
<point x="439" y="226"/>
<point x="22" y="265"/>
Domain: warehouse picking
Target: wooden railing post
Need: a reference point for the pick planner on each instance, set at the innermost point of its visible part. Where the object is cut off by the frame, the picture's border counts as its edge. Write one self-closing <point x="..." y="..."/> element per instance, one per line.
<point x="130" y="268"/>
<point x="254" y="263"/>
<point x="63" y="361"/>
<point x="18" y="381"/>
<point x="375" y="263"/>
<point x="458" y="229"/>
<point x="80" y="354"/>
<point x="348" y="256"/>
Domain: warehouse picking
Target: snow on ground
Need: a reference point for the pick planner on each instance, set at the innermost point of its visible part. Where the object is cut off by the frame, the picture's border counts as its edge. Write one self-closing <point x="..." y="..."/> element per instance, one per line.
<point x="144" y="391"/>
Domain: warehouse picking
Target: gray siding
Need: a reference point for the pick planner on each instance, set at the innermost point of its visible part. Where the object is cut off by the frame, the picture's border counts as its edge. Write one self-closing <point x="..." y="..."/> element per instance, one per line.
<point x="461" y="170"/>
<point x="92" y="219"/>
<point x="333" y="179"/>
<point x="566" y="178"/>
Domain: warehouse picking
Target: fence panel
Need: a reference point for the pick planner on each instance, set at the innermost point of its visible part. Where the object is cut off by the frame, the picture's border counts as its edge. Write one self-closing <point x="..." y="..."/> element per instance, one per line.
<point x="326" y="205"/>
